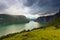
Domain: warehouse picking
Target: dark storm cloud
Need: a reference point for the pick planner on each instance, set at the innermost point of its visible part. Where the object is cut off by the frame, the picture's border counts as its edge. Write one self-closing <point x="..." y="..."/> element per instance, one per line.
<point x="49" y="6"/>
<point x="42" y="3"/>
<point x="29" y="2"/>
<point x="56" y="3"/>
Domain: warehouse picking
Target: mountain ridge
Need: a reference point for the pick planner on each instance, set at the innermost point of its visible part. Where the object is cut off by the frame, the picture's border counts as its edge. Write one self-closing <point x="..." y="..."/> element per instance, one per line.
<point x="5" y="18"/>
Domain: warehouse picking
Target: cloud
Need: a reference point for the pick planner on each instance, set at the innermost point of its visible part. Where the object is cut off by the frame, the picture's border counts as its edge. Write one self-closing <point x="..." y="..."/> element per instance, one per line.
<point x="47" y="6"/>
<point x="32" y="7"/>
<point x="3" y="6"/>
<point x="29" y="2"/>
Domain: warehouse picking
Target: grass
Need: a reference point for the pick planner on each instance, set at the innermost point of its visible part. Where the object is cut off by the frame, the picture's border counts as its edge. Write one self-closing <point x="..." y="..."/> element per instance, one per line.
<point x="49" y="33"/>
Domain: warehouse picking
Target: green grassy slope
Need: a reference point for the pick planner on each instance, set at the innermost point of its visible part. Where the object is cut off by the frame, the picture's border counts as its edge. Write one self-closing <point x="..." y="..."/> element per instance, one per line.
<point x="49" y="33"/>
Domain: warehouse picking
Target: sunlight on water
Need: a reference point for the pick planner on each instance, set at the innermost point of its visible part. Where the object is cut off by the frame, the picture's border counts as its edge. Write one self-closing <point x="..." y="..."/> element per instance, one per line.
<point x="31" y="25"/>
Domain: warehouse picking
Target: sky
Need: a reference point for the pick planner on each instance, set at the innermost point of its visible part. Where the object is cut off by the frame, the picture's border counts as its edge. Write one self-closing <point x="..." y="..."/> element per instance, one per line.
<point x="29" y="8"/>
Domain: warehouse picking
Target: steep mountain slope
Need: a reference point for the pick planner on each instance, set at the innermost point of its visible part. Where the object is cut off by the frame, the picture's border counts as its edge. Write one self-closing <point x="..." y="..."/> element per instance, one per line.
<point x="44" y="19"/>
<point x="56" y="20"/>
<point x="6" y="19"/>
<point x="52" y="19"/>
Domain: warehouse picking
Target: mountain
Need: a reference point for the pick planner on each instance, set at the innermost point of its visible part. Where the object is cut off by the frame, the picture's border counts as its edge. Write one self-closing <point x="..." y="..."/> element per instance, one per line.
<point x="55" y="21"/>
<point x="12" y="19"/>
<point x="50" y="18"/>
<point x="44" y="19"/>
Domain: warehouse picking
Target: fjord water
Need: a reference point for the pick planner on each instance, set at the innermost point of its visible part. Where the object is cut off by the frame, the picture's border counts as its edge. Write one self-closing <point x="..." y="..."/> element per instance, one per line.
<point x="4" y="30"/>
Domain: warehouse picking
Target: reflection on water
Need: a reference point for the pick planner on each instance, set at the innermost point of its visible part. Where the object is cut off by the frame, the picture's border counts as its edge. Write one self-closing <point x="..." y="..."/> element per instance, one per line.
<point x="18" y="28"/>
